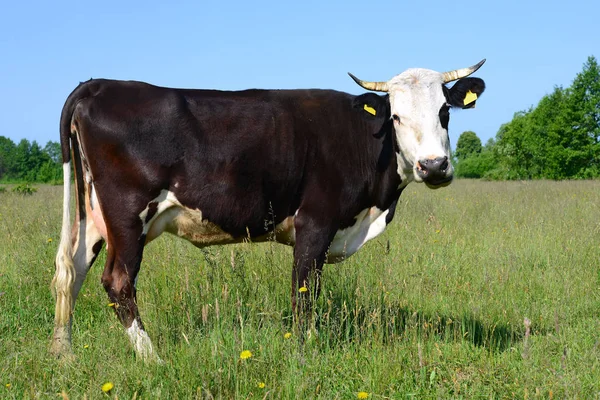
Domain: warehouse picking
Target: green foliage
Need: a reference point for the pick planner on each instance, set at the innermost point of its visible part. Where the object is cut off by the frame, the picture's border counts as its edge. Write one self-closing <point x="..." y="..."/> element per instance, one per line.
<point x="473" y="160"/>
<point x="558" y="139"/>
<point x="468" y="145"/>
<point x="439" y="313"/>
<point x="7" y="154"/>
<point x="25" y="189"/>
<point x="479" y="165"/>
<point x="28" y="162"/>
<point x="52" y="149"/>
<point x="2" y="189"/>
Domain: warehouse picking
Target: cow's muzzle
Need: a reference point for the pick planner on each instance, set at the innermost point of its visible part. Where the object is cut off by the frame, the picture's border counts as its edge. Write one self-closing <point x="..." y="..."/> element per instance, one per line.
<point x="435" y="172"/>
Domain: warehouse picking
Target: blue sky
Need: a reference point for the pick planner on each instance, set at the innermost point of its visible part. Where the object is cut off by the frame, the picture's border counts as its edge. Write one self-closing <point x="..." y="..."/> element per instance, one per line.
<point x="46" y="48"/>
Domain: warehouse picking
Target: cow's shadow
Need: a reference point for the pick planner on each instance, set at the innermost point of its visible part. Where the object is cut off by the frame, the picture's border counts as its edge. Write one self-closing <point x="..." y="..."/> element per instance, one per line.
<point x="341" y="318"/>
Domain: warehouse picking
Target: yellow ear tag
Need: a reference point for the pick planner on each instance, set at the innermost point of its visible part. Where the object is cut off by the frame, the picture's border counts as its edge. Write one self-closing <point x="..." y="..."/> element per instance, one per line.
<point x="370" y="110"/>
<point x="470" y="97"/>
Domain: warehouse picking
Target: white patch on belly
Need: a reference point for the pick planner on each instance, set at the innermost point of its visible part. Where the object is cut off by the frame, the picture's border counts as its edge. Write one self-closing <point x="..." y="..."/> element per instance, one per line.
<point x="187" y="223"/>
<point x="370" y="223"/>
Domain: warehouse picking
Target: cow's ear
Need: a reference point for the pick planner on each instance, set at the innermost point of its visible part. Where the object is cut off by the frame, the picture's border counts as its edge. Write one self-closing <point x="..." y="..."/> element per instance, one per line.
<point x="465" y="92"/>
<point x="371" y="105"/>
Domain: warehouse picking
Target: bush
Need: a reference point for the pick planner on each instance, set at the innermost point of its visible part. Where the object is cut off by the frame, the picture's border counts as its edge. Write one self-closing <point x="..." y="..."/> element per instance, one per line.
<point x="24" y="189"/>
<point x="478" y="165"/>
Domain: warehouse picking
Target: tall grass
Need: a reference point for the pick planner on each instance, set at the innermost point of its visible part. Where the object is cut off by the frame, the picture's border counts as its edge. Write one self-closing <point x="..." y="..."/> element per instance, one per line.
<point x="434" y="308"/>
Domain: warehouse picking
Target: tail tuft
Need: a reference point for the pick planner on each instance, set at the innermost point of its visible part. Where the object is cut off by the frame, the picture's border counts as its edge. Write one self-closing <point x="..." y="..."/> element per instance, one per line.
<point x="64" y="276"/>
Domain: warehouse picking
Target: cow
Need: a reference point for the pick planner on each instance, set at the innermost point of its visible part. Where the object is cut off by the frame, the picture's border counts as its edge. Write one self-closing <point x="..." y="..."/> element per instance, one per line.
<point x="320" y="170"/>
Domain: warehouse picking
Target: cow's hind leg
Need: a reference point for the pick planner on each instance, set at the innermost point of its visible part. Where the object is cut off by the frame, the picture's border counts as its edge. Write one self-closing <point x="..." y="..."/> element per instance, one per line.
<point x="119" y="279"/>
<point x="77" y="252"/>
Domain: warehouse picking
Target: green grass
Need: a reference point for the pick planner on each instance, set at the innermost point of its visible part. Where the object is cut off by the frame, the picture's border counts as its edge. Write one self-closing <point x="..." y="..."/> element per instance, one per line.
<point x="438" y="313"/>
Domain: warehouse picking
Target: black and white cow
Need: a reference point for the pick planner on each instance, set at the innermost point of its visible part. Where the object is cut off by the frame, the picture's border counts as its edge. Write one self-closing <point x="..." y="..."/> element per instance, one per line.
<point x="320" y="170"/>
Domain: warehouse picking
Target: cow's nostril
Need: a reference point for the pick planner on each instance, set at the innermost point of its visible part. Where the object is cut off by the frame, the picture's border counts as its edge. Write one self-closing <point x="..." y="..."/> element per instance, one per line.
<point x="444" y="164"/>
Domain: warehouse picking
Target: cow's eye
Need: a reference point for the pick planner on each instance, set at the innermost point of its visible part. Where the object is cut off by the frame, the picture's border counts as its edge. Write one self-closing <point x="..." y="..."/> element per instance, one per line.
<point x="396" y="118"/>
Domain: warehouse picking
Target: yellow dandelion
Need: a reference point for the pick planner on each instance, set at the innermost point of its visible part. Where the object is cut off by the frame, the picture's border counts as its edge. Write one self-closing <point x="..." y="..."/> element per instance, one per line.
<point x="85" y="346"/>
<point x="8" y="385"/>
<point x="287" y="335"/>
<point x="107" y="387"/>
<point x="261" y="385"/>
<point x="245" y="354"/>
<point x="49" y="240"/>
<point x="113" y="305"/>
<point x="303" y="289"/>
<point x="362" y="395"/>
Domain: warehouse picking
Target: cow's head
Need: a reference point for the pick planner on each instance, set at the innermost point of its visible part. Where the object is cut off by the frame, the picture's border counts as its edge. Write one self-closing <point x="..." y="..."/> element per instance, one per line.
<point x="419" y="105"/>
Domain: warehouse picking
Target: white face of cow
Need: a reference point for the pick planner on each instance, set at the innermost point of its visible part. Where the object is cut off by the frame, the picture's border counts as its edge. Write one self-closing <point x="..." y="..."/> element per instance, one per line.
<point x="419" y="105"/>
<point x="417" y="101"/>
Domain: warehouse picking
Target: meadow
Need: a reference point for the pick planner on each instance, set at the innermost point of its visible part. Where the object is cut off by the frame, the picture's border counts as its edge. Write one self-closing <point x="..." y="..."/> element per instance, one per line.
<point x="478" y="290"/>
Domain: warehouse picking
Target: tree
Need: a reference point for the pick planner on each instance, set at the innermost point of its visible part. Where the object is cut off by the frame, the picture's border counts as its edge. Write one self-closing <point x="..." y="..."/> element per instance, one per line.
<point x="29" y="162"/>
<point x="468" y="144"/>
<point x="558" y="139"/>
<point x="473" y="160"/>
<point x="22" y="165"/>
<point x="7" y="153"/>
<point x="52" y="149"/>
<point x="584" y="109"/>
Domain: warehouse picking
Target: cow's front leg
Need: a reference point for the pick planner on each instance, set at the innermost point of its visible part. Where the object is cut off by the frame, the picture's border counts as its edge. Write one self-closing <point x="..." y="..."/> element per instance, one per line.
<point x="313" y="236"/>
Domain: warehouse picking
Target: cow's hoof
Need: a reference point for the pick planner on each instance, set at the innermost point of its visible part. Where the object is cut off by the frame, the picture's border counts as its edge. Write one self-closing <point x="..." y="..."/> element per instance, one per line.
<point x="62" y="352"/>
<point x="61" y="345"/>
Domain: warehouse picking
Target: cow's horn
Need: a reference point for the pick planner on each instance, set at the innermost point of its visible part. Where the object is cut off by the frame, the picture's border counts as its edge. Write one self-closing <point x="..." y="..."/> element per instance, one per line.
<point x="376" y="86"/>
<point x="461" y="73"/>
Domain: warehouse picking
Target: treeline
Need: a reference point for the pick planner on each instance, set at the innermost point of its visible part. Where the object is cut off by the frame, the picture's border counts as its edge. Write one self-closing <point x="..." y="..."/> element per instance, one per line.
<point x="29" y="162"/>
<point x="558" y="139"/>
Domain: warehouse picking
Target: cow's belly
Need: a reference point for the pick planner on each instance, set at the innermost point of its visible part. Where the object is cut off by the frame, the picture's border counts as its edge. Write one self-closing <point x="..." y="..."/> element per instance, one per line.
<point x="167" y="214"/>
<point x="171" y="216"/>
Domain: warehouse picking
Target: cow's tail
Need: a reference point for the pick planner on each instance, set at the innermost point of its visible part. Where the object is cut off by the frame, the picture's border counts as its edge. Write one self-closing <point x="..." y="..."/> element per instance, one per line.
<point x="64" y="276"/>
